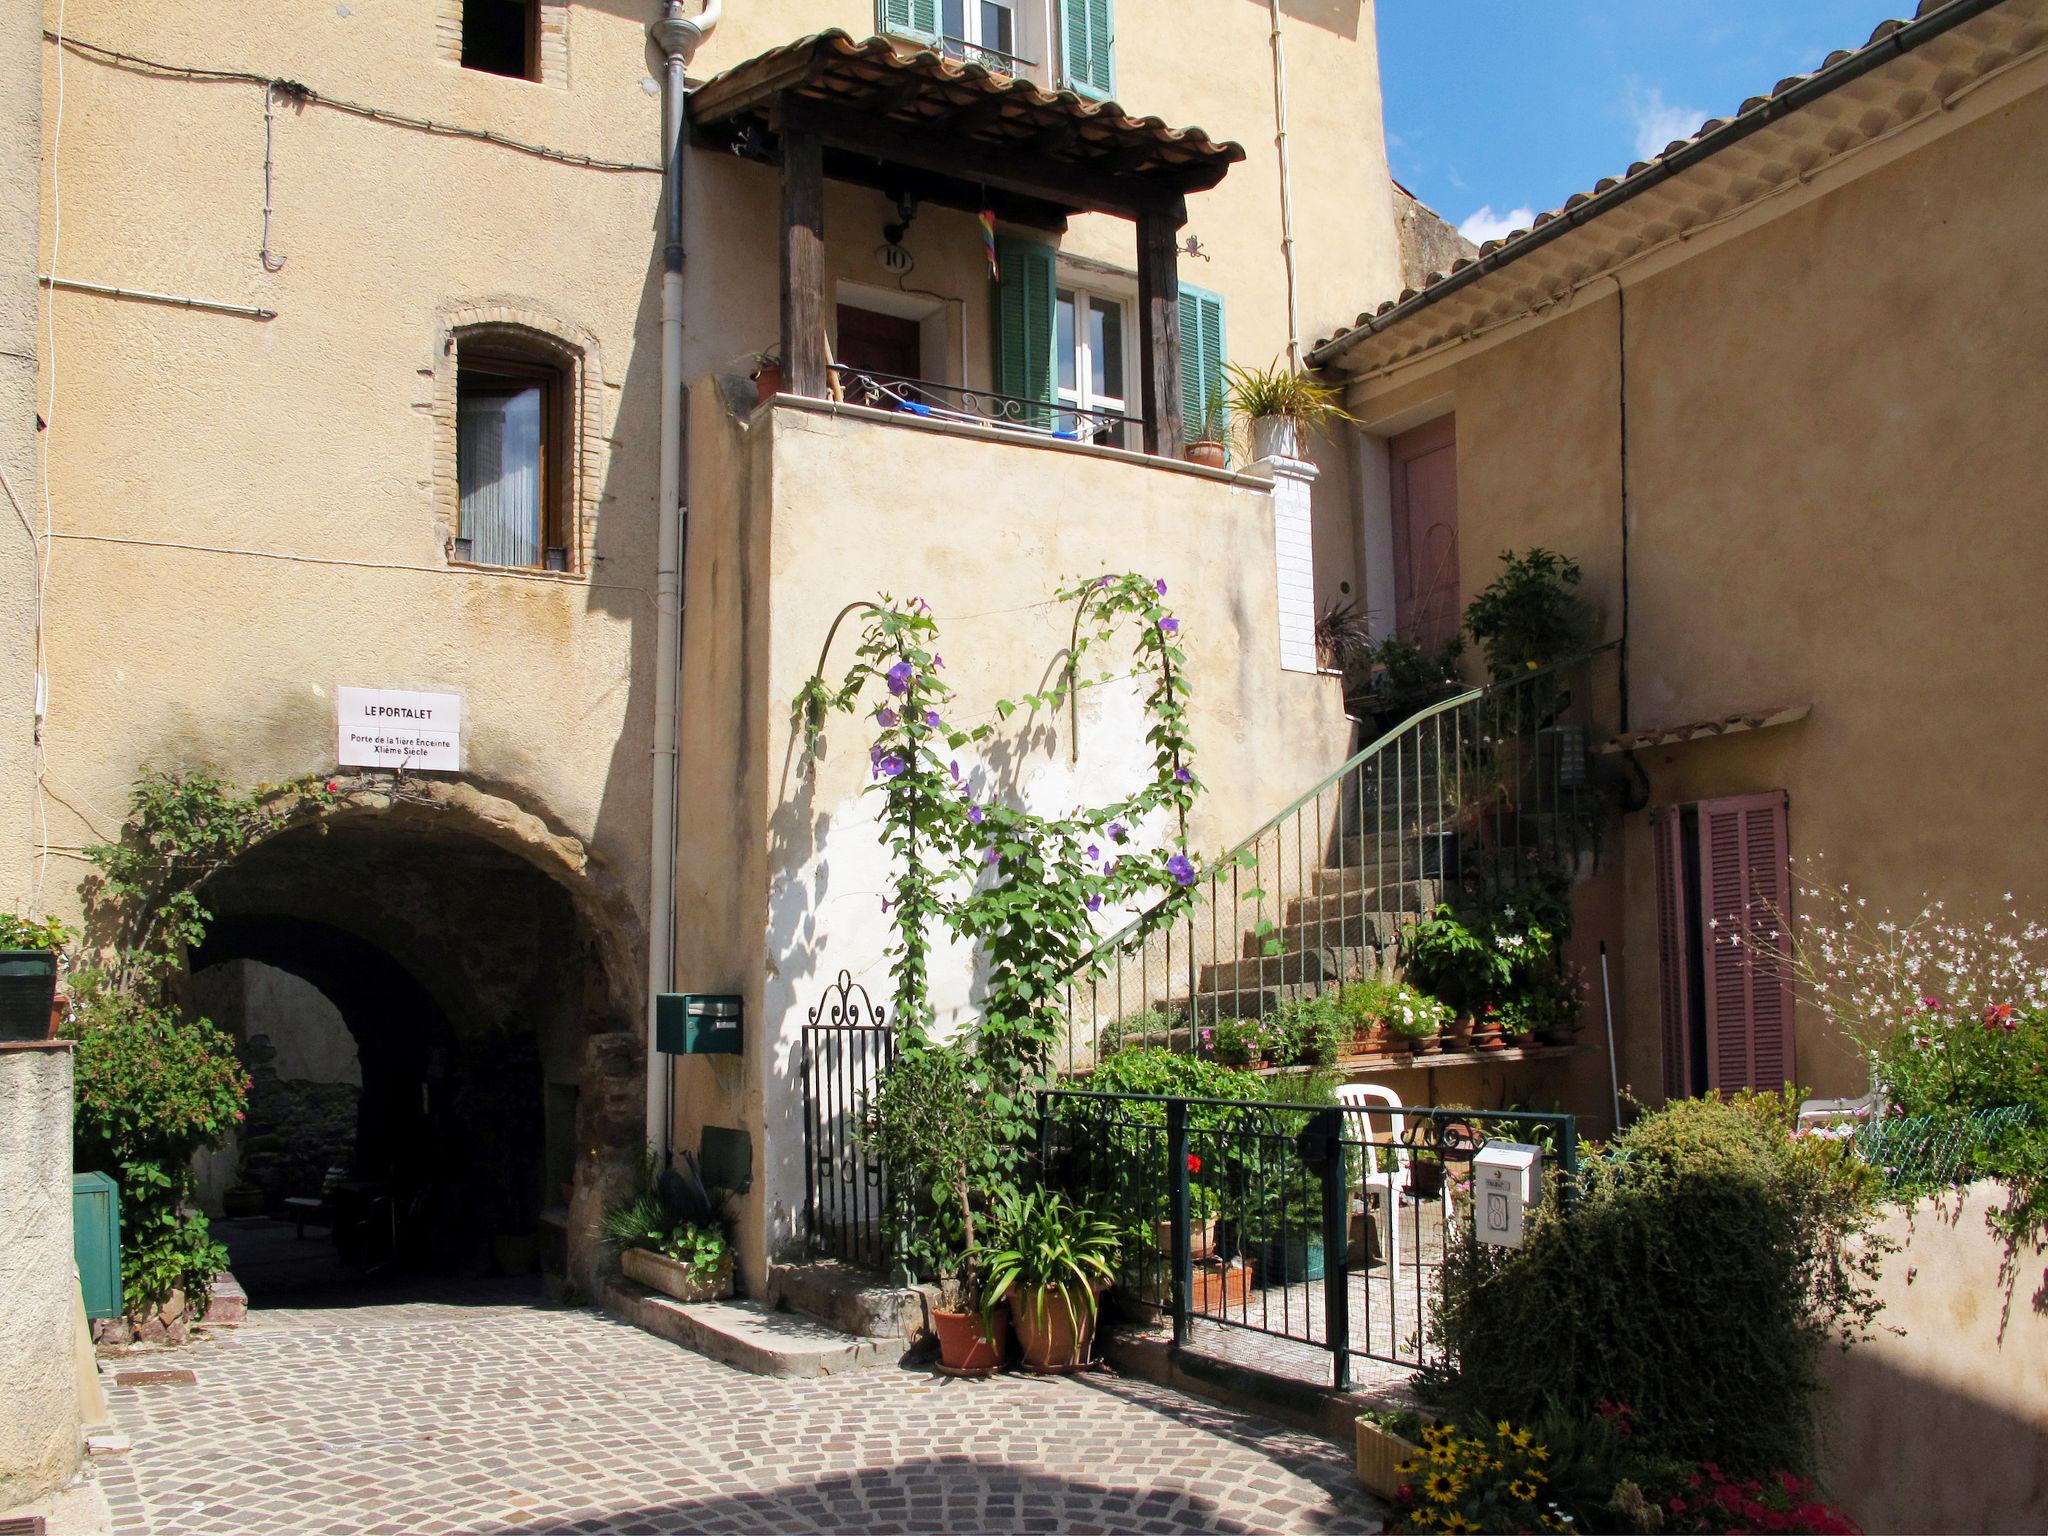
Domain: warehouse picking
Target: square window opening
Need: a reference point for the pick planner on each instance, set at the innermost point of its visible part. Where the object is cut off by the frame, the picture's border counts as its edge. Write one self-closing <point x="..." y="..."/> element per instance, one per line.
<point x="502" y="37"/>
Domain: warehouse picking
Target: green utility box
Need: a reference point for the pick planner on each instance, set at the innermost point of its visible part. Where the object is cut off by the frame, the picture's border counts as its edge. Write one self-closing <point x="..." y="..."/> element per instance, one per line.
<point x="96" y="1242"/>
<point x="698" y="1024"/>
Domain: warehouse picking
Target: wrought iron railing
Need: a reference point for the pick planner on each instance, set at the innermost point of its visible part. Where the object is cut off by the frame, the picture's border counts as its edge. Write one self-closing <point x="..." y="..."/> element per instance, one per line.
<point x="846" y="1048"/>
<point x="1256" y="1226"/>
<point x="1470" y="798"/>
<point x="983" y="407"/>
<point x="989" y="58"/>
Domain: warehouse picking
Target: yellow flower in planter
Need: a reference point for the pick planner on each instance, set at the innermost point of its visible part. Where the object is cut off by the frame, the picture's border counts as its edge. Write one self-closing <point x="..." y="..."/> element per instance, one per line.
<point x="1455" y="1521"/>
<point x="1442" y="1487"/>
<point x="1525" y="1491"/>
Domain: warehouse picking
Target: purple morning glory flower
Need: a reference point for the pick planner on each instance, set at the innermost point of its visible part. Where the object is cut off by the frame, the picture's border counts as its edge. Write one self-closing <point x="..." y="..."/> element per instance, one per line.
<point x="976" y="814"/>
<point x="953" y="768"/>
<point x="1109" y="868"/>
<point x="931" y="718"/>
<point x="891" y="766"/>
<point x="1160" y="586"/>
<point x="1116" y="832"/>
<point x="1182" y="776"/>
<point x="886" y="718"/>
<point x="875" y="757"/>
<point x="1102" y="581"/>
<point x="938" y="662"/>
<point x="1169" y="626"/>
<point x="1094" y="903"/>
<point x="989" y="856"/>
<point x="899" y="678"/>
<point x="1094" y="852"/>
<point x="1181" y="869"/>
<point x="885" y="903"/>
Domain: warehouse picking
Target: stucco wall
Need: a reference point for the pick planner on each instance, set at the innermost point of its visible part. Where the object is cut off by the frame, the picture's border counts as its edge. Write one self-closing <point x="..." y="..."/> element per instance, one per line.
<point x="39" y="1410"/>
<point x="1834" y="465"/>
<point x="21" y="89"/>
<point x="1938" y="1423"/>
<point x="767" y="574"/>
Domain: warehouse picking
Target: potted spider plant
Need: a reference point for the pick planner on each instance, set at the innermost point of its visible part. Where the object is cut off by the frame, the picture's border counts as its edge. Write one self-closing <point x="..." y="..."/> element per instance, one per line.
<point x="1280" y="403"/>
<point x="1051" y="1260"/>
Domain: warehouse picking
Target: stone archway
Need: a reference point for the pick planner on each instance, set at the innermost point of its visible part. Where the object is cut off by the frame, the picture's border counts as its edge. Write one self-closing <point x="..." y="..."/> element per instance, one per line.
<point x="487" y="971"/>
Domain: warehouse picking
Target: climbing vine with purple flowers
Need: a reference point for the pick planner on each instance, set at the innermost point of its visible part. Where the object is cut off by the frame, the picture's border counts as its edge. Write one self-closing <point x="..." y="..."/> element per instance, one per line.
<point x="1022" y="887"/>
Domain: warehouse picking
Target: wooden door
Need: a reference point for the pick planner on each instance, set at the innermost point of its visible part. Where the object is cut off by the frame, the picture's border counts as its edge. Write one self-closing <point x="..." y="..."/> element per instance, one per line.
<point x="1425" y="514"/>
<point x="872" y="342"/>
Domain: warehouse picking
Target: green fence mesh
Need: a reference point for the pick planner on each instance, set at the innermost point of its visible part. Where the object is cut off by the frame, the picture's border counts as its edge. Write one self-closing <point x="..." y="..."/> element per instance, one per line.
<point x="1934" y="1149"/>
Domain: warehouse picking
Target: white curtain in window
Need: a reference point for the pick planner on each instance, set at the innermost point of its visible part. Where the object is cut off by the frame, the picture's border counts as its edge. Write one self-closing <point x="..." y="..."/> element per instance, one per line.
<point x="497" y="466"/>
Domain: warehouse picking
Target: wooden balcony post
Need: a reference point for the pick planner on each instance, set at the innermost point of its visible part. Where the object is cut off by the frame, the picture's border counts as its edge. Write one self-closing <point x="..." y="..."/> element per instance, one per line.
<point x="1159" y="230"/>
<point x="803" y="254"/>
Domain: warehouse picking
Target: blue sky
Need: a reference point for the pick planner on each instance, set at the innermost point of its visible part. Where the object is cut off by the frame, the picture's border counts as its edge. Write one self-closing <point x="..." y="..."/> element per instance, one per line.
<point x="1499" y="109"/>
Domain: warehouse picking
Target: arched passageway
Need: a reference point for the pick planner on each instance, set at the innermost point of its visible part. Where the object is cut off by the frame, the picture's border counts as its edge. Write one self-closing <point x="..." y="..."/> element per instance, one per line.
<point x="443" y="1054"/>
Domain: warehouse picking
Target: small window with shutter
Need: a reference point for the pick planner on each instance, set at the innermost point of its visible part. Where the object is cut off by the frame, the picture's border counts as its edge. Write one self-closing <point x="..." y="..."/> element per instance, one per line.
<point x="916" y="20"/>
<point x="1202" y="355"/>
<point x="1088" y="47"/>
<point x="1724" y="906"/>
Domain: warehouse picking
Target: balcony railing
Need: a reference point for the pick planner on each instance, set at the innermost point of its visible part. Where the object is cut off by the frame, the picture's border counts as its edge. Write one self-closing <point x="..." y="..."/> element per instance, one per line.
<point x="983" y="407"/>
<point x="989" y="58"/>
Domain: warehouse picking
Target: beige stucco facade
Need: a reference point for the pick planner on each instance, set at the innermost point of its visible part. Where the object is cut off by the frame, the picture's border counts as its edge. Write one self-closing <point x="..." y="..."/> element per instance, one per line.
<point x="39" y="1411"/>
<point x="1833" y="471"/>
<point x="254" y="487"/>
<point x="21" y="94"/>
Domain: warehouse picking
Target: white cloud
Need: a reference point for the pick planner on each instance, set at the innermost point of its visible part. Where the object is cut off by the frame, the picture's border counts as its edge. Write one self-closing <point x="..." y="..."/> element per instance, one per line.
<point x="1487" y="225"/>
<point x="1657" y="122"/>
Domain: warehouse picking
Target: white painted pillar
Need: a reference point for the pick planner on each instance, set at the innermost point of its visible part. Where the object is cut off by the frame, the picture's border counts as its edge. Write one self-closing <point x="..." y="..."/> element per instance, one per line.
<point x="1294" y="565"/>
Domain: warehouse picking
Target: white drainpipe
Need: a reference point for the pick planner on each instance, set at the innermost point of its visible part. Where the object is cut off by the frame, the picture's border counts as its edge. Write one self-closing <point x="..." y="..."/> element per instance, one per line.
<point x="677" y="36"/>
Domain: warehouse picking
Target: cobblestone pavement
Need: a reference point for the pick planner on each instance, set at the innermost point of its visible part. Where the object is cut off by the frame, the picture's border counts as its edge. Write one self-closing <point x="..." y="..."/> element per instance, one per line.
<point x="504" y="1417"/>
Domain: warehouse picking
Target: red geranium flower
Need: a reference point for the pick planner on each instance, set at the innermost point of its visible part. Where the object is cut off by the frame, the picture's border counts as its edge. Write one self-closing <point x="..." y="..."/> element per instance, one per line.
<point x="1194" y="1163"/>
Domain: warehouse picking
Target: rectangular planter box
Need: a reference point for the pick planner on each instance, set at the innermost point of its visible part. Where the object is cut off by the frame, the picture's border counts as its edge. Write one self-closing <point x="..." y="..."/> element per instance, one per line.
<point x="1217" y="1291"/>
<point x="1379" y="1452"/>
<point x="674" y="1278"/>
<point x="28" y="983"/>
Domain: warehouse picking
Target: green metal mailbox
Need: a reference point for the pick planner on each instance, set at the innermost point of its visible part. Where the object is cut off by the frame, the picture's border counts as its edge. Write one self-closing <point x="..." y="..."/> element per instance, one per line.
<point x="698" y="1024"/>
<point x="96" y="1241"/>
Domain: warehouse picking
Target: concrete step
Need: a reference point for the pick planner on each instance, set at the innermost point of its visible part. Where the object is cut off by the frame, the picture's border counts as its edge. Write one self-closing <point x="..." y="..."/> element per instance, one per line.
<point x="1338" y="928"/>
<point x="1389" y="907"/>
<point x="851" y="1300"/>
<point x="750" y="1336"/>
<point x="227" y="1303"/>
<point x="1390" y="855"/>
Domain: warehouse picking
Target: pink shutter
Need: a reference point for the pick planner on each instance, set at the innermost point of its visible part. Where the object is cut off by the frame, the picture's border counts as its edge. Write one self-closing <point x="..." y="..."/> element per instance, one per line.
<point x="1746" y="881"/>
<point x="1674" y="916"/>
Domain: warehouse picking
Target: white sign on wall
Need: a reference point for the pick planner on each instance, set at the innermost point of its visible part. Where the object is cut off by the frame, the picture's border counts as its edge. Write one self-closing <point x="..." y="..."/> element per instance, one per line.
<point x="390" y="728"/>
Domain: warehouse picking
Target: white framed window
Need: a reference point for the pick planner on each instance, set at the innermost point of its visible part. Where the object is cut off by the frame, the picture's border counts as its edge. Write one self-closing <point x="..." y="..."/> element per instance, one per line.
<point x="998" y="34"/>
<point x="1094" y="361"/>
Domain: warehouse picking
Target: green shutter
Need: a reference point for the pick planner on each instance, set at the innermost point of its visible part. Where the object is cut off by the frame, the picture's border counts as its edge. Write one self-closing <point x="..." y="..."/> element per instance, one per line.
<point x="1201" y="356"/>
<point x="1088" y="47"/>
<point x="915" y="19"/>
<point x="1024" y="319"/>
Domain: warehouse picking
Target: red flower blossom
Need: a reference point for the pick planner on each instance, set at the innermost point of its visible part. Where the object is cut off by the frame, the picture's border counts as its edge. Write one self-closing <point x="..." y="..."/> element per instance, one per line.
<point x="2000" y="1016"/>
<point x="1194" y="1163"/>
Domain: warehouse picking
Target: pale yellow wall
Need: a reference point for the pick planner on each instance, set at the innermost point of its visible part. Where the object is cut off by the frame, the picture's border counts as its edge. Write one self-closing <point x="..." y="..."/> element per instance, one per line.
<point x="20" y="138"/>
<point x="1835" y="471"/>
<point x="985" y="532"/>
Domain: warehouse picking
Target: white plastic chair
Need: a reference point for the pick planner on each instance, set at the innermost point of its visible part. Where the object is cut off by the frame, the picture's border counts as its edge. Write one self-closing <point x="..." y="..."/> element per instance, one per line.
<point x="1390" y="1182"/>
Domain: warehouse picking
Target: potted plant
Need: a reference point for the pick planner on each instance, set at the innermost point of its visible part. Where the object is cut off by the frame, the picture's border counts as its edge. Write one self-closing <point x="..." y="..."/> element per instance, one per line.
<point x="1209" y="446"/>
<point x="1279" y="403"/>
<point x="29" y="956"/>
<point x="1203" y="1204"/>
<point x="1486" y="1030"/>
<point x="1387" y="1441"/>
<point x="931" y="1126"/>
<point x="1457" y="1032"/>
<point x="1531" y="616"/>
<point x="1050" y="1260"/>
<point x="671" y="1239"/>
<point x="767" y="377"/>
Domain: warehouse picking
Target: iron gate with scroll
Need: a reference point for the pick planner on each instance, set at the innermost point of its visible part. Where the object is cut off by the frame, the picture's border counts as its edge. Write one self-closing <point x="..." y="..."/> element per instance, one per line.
<point x="1292" y="1224"/>
<point x="846" y="1048"/>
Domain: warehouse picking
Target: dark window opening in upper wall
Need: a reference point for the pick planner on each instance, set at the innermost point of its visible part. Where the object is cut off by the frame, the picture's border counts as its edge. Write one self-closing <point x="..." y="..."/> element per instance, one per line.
<point x="502" y="37"/>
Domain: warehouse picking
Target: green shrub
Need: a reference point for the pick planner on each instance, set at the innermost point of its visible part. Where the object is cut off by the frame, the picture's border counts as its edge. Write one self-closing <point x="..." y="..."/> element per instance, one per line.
<point x="935" y="1131"/>
<point x="153" y="1088"/>
<point x="1312" y="1031"/>
<point x="1702" y="1266"/>
<point x="1401" y="1009"/>
<point x="1531" y="615"/>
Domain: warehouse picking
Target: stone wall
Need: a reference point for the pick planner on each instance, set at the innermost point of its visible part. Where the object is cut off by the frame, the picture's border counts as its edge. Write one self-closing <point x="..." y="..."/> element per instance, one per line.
<point x="38" y="1284"/>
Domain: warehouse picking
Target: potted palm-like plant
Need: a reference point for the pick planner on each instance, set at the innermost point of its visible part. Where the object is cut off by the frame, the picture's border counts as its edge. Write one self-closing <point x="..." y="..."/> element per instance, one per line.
<point x="1279" y="403"/>
<point x="932" y="1128"/>
<point x="1209" y="446"/>
<point x="1052" y="1260"/>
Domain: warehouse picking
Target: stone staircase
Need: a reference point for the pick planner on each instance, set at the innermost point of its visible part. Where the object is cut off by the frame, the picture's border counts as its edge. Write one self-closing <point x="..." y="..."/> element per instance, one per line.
<point x="817" y="1319"/>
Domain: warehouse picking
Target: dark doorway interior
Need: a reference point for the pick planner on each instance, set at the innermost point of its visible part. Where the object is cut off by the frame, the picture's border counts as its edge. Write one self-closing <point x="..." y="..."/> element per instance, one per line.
<point x="872" y="342"/>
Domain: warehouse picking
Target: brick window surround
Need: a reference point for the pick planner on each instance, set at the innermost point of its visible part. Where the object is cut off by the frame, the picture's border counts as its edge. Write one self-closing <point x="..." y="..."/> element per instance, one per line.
<point x="554" y="38"/>
<point x="521" y="328"/>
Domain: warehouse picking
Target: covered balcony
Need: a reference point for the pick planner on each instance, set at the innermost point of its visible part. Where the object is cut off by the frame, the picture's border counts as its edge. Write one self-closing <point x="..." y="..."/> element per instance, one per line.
<point x="924" y="129"/>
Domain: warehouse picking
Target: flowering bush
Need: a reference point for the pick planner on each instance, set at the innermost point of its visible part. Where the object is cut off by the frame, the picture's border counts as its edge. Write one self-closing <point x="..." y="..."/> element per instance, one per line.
<point x="1394" y="1006"/>
<point x="1716" y="1501"/>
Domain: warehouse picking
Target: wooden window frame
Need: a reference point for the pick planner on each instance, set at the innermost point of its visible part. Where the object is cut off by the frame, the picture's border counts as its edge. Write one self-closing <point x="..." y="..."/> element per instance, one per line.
<point x="480" y="361"/>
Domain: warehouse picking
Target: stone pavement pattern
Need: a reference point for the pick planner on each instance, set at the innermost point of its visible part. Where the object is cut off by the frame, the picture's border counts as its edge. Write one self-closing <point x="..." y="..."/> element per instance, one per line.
<point x="505" y="1417"/>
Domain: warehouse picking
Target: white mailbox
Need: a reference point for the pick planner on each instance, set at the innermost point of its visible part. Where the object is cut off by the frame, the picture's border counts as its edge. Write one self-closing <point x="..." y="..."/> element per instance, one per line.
<point x="1507" y="1177"/>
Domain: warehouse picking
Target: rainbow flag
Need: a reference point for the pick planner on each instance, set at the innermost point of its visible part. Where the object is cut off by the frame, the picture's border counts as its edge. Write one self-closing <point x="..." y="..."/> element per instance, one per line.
<point x="988" y="244"/>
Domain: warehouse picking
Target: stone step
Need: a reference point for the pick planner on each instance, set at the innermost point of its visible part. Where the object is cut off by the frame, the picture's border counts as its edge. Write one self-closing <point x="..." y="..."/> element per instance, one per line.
<point x="750" y="1336"/>
<point x="1340" y="928"/>
<point x="1393" y="905"/>
<point x="1392" y="855"/>
<point x="851" y="1300"/>
<point x="227" y="1303"/>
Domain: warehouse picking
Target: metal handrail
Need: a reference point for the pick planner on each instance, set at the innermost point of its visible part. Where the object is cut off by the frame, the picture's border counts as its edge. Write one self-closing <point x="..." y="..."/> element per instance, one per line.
<point x="983" y="51"/>
<point x="982" y="407"/>
<point x="1355" y="761"/>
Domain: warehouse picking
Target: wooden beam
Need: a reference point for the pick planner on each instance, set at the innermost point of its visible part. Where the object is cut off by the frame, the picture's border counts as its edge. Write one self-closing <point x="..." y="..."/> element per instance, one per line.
<point x="803" y="254"/>
<point x="1159" y="326"/>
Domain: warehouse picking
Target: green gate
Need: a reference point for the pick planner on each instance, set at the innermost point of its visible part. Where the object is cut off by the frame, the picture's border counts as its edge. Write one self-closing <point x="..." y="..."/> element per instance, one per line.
<point x="96" y="1241"/>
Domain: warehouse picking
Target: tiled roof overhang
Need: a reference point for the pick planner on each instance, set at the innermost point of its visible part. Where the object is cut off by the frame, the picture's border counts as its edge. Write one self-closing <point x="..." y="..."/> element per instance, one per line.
<point x="1906" y="71"/>
<point x="966" y="122"/>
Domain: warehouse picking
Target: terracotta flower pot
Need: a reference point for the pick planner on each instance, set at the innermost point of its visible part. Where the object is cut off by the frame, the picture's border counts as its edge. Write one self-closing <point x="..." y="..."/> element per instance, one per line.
<point x="1208" y="454"/>
<point x="968" y="1344"/>
<point x="1056" y="1329"/>
<point x="1371" y="1040"/>
<point x="1201" y="1237"/>
<point x="767" y="382"/>
<point x="1457" y="1034"/>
